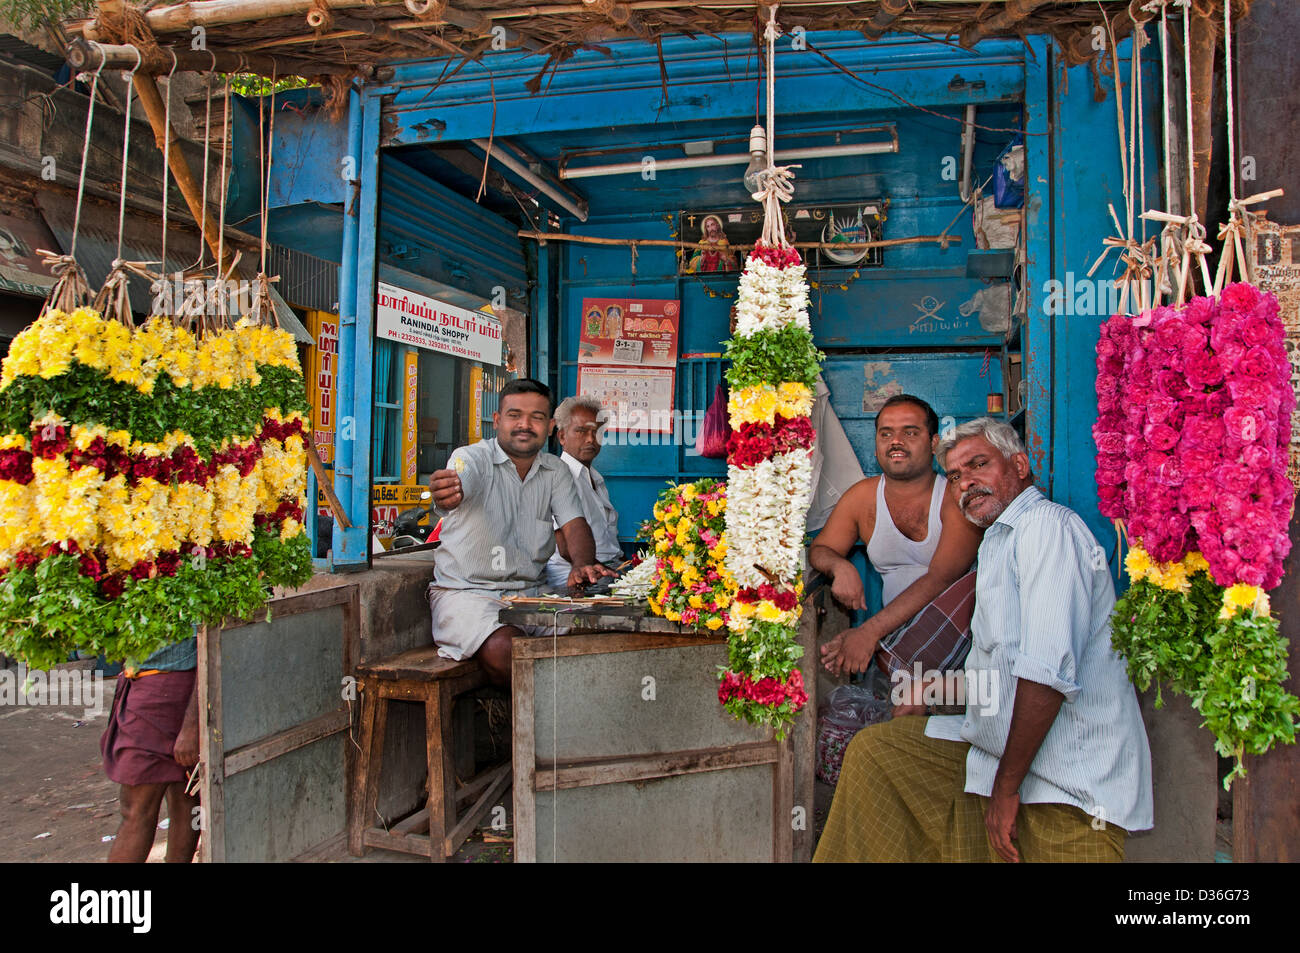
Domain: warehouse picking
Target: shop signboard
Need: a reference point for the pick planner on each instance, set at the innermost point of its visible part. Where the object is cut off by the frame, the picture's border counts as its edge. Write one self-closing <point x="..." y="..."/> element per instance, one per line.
<point x="410" y="391"/>
<point x="409" y="318"/>
<point x="322" y="374"/>
<point x="389" y="499"/>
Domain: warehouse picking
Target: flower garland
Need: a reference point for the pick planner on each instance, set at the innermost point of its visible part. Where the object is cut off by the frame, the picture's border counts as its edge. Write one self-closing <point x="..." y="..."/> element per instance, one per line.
<point x="774" y="366"/>
<point x="691" y="583"/>
<point x="1194" y="406"/>
<point x="149" y="481"/>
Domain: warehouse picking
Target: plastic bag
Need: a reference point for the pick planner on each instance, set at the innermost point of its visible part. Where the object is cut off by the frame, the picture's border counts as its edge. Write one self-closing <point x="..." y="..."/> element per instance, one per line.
<point x="848" y="710"/>
<point x="716" y="429"/>
<point x="1009" y="176"/>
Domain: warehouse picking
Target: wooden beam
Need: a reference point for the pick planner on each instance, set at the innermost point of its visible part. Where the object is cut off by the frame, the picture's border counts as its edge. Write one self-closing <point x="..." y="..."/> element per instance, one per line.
<point x="662" y="243"/>
<point x="88" y="55"/>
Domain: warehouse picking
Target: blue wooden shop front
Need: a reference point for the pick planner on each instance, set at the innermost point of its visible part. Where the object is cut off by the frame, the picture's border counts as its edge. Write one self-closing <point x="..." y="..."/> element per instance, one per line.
<point x="381" y="202"/>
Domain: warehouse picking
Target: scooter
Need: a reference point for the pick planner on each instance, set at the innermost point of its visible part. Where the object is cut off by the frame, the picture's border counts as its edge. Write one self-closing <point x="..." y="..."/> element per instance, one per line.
<point x="407" y="530"/>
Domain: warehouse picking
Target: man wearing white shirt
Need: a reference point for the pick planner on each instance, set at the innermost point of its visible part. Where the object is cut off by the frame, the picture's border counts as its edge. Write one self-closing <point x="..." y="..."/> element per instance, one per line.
<point x="577" y="427"/>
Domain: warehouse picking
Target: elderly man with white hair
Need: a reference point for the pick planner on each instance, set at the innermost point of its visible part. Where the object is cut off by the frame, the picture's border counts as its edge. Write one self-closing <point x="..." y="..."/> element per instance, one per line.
<point x="1050" y="762"/>
<point x="577" y="427"/>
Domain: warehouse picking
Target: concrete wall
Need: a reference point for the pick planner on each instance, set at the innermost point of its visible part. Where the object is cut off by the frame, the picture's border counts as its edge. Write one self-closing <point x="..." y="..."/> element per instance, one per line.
<point x="394" y="618"/>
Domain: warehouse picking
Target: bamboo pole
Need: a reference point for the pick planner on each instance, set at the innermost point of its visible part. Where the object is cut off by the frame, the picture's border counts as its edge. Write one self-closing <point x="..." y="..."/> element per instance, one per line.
<point x="544" y="237"/>
<point x="181" y="17"/>
<point x="87" y="55"/>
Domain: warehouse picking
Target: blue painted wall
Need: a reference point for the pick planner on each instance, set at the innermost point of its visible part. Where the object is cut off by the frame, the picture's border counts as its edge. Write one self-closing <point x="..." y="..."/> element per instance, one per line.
<point x="621" y="101"/>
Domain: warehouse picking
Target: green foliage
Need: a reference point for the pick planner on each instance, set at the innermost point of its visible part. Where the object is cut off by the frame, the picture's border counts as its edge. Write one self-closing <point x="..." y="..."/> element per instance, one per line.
<point x="48" y="612"/>
<point x="253" y="84"/>
<point x="1241" y="695"/>
<point x="30" y="14"/>
<point x="280" y="563"/>
<point x="773" y="357"/>
<point x="767" y="649"/>
<point x="84" y="395"/>
<point x="1232" y="670"/>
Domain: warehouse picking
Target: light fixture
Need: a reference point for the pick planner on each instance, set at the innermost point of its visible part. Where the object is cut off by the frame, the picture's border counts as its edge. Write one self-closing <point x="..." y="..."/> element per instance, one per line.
<point x="731" y="158"/>
<point x="757" y="158"/>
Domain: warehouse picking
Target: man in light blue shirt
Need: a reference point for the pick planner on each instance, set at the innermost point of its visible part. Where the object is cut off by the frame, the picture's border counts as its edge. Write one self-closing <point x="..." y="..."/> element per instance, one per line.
<point x="1051" y="754"/>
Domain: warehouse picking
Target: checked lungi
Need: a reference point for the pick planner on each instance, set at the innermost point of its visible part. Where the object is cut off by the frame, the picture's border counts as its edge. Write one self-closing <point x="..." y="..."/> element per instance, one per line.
<point x="901" y="798"/>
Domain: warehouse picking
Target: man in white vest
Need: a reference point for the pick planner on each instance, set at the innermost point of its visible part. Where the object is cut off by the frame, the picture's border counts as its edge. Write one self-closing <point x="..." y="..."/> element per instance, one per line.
<point x="577" y="427"/>
<point x="919" y="542"/>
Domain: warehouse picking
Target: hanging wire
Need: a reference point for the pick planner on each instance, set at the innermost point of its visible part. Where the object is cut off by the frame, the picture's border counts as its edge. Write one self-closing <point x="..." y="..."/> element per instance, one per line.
<point x="167" y="152"/>
<point x="1187" y="81"/>
<point x="85" y="150"/>
<point x="207" y="152"/>
<point x="1227" y="75"/>
<point x="129" y="76"/>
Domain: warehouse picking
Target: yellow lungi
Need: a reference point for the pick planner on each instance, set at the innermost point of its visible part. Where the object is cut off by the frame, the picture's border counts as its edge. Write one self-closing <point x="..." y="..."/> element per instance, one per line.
<point x="901" y="798"/>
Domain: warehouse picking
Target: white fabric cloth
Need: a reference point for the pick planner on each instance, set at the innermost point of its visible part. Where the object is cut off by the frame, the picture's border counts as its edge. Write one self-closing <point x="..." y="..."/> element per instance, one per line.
<point x="899" y="560"/>
<point x="464" y="618"/>
<point x="600" y="514"/>
<point x="835" y="465"/>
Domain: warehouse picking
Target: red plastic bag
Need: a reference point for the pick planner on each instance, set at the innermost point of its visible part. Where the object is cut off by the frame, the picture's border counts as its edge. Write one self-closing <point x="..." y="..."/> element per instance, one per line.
<point x="716" y="429"/>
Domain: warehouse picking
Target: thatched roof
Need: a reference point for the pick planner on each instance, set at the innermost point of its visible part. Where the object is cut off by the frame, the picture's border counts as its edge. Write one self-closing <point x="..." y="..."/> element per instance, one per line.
<point x="340" y="37"/>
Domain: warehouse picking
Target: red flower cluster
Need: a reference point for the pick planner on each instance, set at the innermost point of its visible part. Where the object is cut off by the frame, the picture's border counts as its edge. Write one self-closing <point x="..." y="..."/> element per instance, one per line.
<point x="753" y="443"/>
<point x="776" y="257"/>
<point x="287" y="509"/>
<point x="785" y="599"/>
<point x="1194" y="407"/>
<point x="280" y="430"/>
<point x="243" y="456"/>
<point x="49" y="442"/>
<point x="750" y="445"/>
<point x="183" y="465"/>
<point x="767" y="691"/>
<point x="16" y="465"/>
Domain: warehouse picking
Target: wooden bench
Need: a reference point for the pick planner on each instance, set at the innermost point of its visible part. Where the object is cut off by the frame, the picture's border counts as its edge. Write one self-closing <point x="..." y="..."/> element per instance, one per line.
<point x="439" y="828"/>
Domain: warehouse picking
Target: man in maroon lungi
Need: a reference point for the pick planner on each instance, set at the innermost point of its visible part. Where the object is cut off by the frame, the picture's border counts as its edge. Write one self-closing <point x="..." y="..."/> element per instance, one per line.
<point x="151" y="742"/>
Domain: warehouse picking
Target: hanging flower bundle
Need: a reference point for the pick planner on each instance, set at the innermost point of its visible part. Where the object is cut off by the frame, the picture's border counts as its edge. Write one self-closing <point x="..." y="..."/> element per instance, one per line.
<point x="769" y="485"/>
<point x="1194" y="417"/>
<point x="691" y="583"/>
<point x="150" y="480"/>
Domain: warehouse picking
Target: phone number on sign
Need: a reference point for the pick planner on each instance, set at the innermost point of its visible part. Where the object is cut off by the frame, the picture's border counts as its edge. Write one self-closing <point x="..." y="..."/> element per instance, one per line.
<point x="436" y="345"/>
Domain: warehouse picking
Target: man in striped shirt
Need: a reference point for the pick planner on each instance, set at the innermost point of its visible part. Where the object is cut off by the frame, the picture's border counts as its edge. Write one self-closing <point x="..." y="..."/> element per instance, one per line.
<point x="1050" y="761"/>
<point x="498" y="499"/>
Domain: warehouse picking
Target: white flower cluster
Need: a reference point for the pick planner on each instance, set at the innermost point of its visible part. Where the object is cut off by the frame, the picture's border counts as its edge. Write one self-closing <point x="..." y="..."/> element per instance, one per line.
<point x="766" y="508"/>
<point x="770" y="298"/>
<point x="637" y="582"/>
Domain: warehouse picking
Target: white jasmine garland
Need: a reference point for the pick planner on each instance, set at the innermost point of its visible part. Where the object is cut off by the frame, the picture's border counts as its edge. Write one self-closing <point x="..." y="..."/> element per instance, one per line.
<point x="770" y="298"/>
<point x="637" y="582"/>
<point x="766" y="509"/>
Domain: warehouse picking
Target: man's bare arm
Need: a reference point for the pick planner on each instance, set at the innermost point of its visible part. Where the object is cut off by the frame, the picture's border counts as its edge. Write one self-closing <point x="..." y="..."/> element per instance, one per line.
<point x="582" y="552"/>
<point x="1034" y="710"/>
<point x="827" y="552"/>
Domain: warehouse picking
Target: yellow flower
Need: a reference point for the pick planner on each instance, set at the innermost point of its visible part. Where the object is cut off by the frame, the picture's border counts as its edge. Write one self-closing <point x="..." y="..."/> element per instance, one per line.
<point x="713" y="623"/>
<point x="1195" y="562"/>
<point x="757" y="404"/>
<point x="794" y="400"/>
<point x="695" y="602"/>
<point x="1138" y="564"/>
<point x="768" y="612"/>
<point x="1241" y="596"/>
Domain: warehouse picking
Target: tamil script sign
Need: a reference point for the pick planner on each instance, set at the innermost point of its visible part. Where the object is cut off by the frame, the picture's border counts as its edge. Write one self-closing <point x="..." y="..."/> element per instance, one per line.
<point x="410" y="318"/>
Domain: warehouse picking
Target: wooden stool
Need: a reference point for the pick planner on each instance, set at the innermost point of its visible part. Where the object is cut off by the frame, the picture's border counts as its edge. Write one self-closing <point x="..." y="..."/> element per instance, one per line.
<point x="437" y="830"/>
